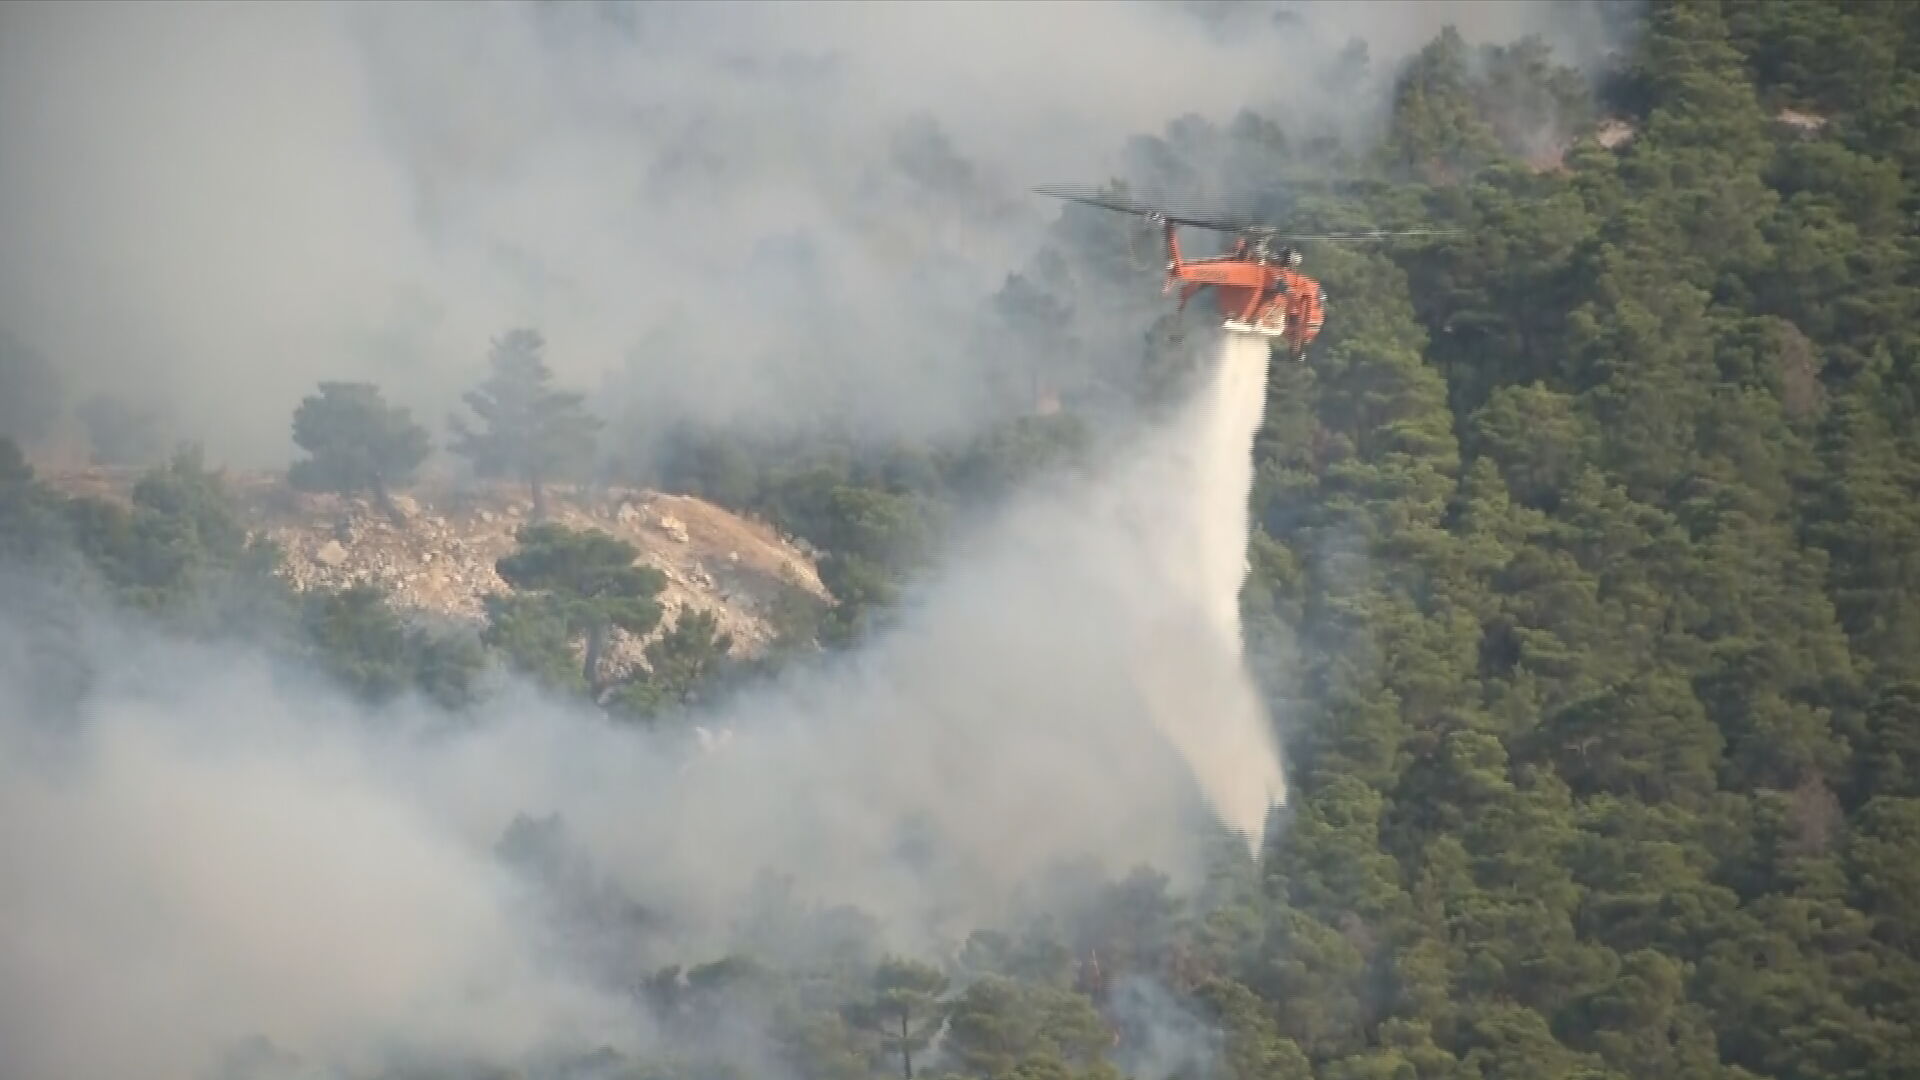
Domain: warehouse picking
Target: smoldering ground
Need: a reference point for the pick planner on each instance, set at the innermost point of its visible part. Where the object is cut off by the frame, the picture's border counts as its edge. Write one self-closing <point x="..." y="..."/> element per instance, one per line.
<point x="212" y="207"/>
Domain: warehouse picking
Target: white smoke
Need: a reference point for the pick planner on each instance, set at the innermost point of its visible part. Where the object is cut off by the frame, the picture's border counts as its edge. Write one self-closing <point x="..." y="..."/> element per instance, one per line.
<point x="215" y="206"/>
<point x="225" y="856"/>
<point x="223" y="852"/>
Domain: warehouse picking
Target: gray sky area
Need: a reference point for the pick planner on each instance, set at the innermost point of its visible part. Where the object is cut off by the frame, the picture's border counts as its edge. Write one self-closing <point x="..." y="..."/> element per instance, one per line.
<point x="758" y="210"/>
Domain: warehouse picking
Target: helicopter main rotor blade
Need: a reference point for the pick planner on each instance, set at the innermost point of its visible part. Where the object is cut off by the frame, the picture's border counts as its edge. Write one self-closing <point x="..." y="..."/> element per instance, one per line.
<point x="1377" y="234"/>
<point x="1229" y="222"/>
<point x="1169" y="215"/>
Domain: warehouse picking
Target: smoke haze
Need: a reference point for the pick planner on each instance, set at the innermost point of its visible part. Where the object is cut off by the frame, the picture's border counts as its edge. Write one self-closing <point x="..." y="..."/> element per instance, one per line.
<point x="766" y="214"/>
<point x="213" y="206"/>
<point x="228" y="851"/>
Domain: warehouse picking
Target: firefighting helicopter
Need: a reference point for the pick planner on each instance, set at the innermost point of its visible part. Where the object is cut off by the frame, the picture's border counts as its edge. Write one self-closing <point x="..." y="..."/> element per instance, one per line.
<point x="1259" y="288"/>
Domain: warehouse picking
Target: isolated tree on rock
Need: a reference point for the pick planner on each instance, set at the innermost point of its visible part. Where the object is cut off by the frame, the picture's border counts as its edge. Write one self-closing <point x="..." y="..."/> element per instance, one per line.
<point x="531" y="431"/>
<point x="681" y="663"/>
<point x="592" y="581"/>
<point x="685" y="656"/>
<point x="359" y="443"/>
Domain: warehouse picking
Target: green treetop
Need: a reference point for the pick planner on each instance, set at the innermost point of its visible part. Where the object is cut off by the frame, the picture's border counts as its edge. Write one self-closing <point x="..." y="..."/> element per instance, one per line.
<point x="591" y="582"/>
<point x="359" y="443"/>
<point x="905" y="1009"/>
<point x="530" y="431"/>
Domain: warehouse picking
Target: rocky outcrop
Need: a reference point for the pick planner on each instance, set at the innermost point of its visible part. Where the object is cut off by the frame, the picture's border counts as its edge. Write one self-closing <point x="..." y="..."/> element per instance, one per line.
<point x="434" y="550"/>
<point x="438" y="554"/>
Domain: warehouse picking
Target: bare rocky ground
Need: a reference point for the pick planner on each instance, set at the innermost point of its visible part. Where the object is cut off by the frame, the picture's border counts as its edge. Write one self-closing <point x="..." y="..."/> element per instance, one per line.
<point x="436" y="556"/>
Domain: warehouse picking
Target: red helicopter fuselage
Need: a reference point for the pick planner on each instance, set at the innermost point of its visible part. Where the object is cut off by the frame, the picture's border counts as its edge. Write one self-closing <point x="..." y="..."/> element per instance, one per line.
<point x="1256" y="293"/>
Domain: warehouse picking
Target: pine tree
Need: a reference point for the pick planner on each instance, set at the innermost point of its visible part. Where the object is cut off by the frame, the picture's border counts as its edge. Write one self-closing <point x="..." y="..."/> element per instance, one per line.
<point x="533" y="432"/>
<point x="359" y="443"/>
<point x="590" y="584"/>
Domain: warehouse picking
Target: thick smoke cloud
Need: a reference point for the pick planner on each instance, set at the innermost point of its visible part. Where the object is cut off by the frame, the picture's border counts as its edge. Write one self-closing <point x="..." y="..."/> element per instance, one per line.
<point x="220" y="850"/>
<point x="221" y="856"/>
<point x="772" y="212"/>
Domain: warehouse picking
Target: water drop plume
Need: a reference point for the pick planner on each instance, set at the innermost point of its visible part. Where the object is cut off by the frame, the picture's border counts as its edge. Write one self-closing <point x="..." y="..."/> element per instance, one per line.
<point x="1202" y="696"/>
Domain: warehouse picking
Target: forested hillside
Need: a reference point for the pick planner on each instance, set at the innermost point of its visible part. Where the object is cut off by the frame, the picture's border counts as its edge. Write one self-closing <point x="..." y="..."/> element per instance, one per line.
<point x="1600" y="530"/>
<point x="1585" y="589"/>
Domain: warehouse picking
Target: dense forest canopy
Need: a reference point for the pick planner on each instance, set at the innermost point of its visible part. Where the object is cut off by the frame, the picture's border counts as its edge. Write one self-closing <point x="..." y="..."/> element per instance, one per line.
<point x="1585" y="582"/>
